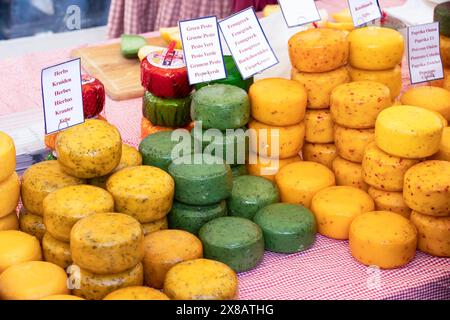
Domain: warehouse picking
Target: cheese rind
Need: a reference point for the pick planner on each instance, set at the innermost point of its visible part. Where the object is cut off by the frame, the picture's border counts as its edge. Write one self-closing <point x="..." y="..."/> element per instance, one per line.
<point x="61" y="297"/>
<point x="55" y="251"/>
<point x="443" y="83"/>
<point x="444" y="149"/>
<point x="351" y="143"/>
<point x="9" y="194"/>
<point x="31" y="224"/>
<point x="319" y="126"/>
<point x="429" y="97"/>
<point x="267" y="167"/>
<point x="7" y="156"/>
<point x="348" y="173"/>
<point x="323" y="153"/>
<point x="136" y="293"/>
<point x="389" y="201"/>
<point x="433" y="234"/>
<point x="151" y="227"/>
<point x="17" y="247"/>
<point x="9" y="222"/>
<point x="445" y="50"/>
<point x="392" y="78"/>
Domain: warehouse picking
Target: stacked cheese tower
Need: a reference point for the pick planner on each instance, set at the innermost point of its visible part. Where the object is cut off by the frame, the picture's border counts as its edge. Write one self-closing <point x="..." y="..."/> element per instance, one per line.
<point x="442" y="15"/>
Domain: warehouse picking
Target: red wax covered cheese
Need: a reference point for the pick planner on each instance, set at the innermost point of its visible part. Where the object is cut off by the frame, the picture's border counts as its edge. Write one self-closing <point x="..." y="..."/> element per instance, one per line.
<point x="93" y="96"/>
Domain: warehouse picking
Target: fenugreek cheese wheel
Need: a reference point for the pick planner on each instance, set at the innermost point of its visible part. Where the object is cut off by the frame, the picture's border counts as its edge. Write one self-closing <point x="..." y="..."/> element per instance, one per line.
<point x="17" y="247"/>
<point x="143" y="192"/>
<point x="9" y="222"/>
<point x="408" y="132"/>
<point x="201" y="279"/>
<point x="444" y="149"/>
<point x="323" y="153"/>
<point x="357" y="104"/>
<point x="106" y="243"/>
<point x="91" y="149"/>
<point x="319" y="85"/>
<point x="319" y="126"/>
<point x="433" y="234"/>
<point x="428" y="97"/>
<point x="445" y="50"/>
<point x="389" y="201"/>
<point x="267" y="167"/>
<point x="55" y="251"/>
<point x="151" y="227"/>
<point x="31" y="224"/>
<point x="61" y="297"/>
<point x="7" y="156"/>
<point x="375" y="48"/>
<point x="351" y="143"/>
<point x="41" y="179"/>
<point x="427" y="188"/>
<point x="336" y="207"/>
<point x="348" y="173"/>
<point x="318" y="50"/>
<point x="298" y="182"/>
<point x="392" y="78"/>
<point x="277" y="101"/>
<point x="9" y="194"/>
<point x="136" y="293"/>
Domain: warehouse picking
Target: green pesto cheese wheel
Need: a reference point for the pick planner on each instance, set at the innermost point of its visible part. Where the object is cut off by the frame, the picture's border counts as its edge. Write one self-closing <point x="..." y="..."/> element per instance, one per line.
<point x="287" y="228"/>
<point x="192" y="218"/>
<point x="240" y="170"/>
<point x="235" y="241"/>
<point x="221" y="106"/>
<point x="442" y="15"/>
<point x="201" y="179"/>
<point x="173" y="112"/>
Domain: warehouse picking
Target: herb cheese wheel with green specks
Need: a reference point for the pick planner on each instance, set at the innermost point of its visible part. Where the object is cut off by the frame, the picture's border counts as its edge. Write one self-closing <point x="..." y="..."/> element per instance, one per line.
<point x="235" y="241"/>
<point x="55" y="251"/>
<point x="239" y="170"/>
<point x="31" y="224"/>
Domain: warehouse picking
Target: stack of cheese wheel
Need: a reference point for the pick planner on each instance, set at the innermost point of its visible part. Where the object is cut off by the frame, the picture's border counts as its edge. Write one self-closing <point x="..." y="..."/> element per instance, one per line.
<point x="442" y="15"/>
<point x="319" y="58"/>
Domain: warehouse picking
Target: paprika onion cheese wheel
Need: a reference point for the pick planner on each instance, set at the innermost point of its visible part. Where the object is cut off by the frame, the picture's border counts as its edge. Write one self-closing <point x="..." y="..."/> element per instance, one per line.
<point x="106" y="243"/>
<point x="7" y="156"/>
<point x="143" y="192"/>
<point x="408" y="132"/>
<point x="351" y="143"/>
<point x="318" y="50"/>
<point x="166" y="248"/>
<point x="31" y="224"/>
<point x="319" y="85"/>
<point x="442" y="15"/>
<point x="151" y="227"/>
<point x="375" y="48"/>
<point x="298" y="182"/>
<point x="444" y="149"/>
<point x="336" y="207"/>
<point x="382" y="238"/>
<point x="56" y="252"/>
<point x="319" y="126"/>
<point x="65" y="206"/>
<point x="323" y="153"/>
<point x="287" y="228"/>
<point x="357" y="104"/>
<point x="201" y="279"/>
<point x="277" y="101"/>
<point x="173" y="112"/>
<point x="348" y="173"/>
<point x="235" y="241"/>
<point x="136" y="293"/>
<point x="93" y="93"/>
<point x="392" y="78"/>
<point x="267" y="167"/>
<point x="32" y="280"/>
<point x="9" y="194"/>
<point x="433" y="234"/>
<point x="9" y="222"/>
<point x="17" y="247"/>
<point x="61" y="297"/>
<point x="445" y="50"/>
<point x="428" y="97"/>
<point x="427" y="188"/>
<point x="389" y="201"/>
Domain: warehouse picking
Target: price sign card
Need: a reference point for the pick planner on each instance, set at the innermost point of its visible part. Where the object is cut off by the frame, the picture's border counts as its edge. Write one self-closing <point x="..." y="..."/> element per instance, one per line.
<point x="364" y="11"/>
<point x="248" y="43"/>
<point x="299" y="12"/>
<point x="202" y="50"/>
<point x="62" y="96"/>
<point x="424" y="54"/>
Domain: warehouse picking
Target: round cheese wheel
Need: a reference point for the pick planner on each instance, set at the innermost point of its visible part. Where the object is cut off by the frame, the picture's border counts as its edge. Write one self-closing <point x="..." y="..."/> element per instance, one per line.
<point x="239" y="170"/>
<point x="31" y="224"/>
<point x="392" y="78"/>
<point x="348" y="173"/>
<point x="318" y="50"/>
<point x="93" y="92"/>
<point x="65" y="206"/>
<point x="357" y="104"/>
<point x="319" y="126"/>
<point x="235" y="241"/>
<point x="166" y="112"/>
<point x="166" y="248"/>
<point x="427" y="188"/>
<point x="382" y="238"/>
<point x="136" y="293"/>
<point x="282" y="142"/>
<point x="56" y="251"/>
<point x="389" y="201"/>
<point x="7" y="156"/>
<point x="433" y="234"/>
<point x="9" y="194"/>
<point x="17" y="247"/>
<point x="443" y="83"/>
<point x="143" y="192"/>
<point x="442" y="15"/>
<point x="375" y="48"/>
<point x="432" y="98"/>
<point x="32" y="280"/>
<point x="336" y="207"/>
<point x="62" y="297"/>
<point x="287" y="228"/>
<point x="323" y="153"/>
<point x="445" y="50"/>
<point x="444" y="149"/>
<point x="278" y="102"/>
<point x="41" y="179"/>
<point x="201" y="279"/>
<point x="298" y="182"/>
<point x="9" y="222"/>
<point x="267" y="167"/>
<point x="351" y="143"/>
<point x="408" y="132"/>
<point x="91" y="149"/>
<point x="151" y="227"/>
<point x="221" y="106"/>
<point x="106" y="243"/>
<point x="319" y="85"/>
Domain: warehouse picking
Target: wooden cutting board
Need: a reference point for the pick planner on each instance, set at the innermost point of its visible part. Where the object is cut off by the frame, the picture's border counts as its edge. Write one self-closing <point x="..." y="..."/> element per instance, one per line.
<point x="120" y="76"/>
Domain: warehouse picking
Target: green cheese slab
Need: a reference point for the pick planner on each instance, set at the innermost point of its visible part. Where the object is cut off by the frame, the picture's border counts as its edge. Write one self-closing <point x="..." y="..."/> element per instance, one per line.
<point x="442" y="15"/>
<point x="174" y="112"/>
<point x="240" y="170"/>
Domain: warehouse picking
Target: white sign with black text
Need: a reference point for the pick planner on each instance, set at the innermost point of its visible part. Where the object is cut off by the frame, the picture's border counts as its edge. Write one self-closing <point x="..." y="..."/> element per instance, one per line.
<point x="297" y="13"/>
<point x="364" y="11"/>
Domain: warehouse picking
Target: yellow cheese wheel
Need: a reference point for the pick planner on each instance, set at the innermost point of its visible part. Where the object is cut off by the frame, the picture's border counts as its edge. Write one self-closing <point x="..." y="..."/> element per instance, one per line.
<point x="433" y="234"/>
<point x="201" y="279"/>
<point x="106" y="243"/>
<point x="91" y="149"/>
<point x="298" y="182"/>
<point x="151" y="227"/>
<point x="351" y="143"/>
<point x="143" y="192"/>
<point x="445" y="50"/>
<point x="17" y="247"/>
<point x="319" y="126"/>
<point x="389" y="201"/>
<point x="443" y="83"/>
<point x="382" y="238"/>
<point x="136" y="293"/>
<point x="31" y="224"/>
<point x="9" y="222"/>
<point x="318" y="50"/>
<point x="65" y="206"/>
<point x="336" y="207"/>
<point x="383" y="171"/>
<point x="429" y="97"/>
<point x="357" y="104"/>
<point x="7" y="156"/>
<point x="342" y="16"/>
<point x="267" y="167"/>
<point x="375" y="48"/>
<point x="323" y="153"/>
<point x="319" y="85"/>
<point x="444" y="149"/>
<point x="9" y="194"/>
<point x="164" y="249"/>
<point x="277" y="101"/>
<point x="392" y="78"/>
<point x="272" y="142"/>
<point x="427" y="188"/>
<point x="41" y="179"/>
<point x="348" y="173"/>
<point x="408" y="132"/>
<point x="55" y="251"/>
<point x="62" y="297"/>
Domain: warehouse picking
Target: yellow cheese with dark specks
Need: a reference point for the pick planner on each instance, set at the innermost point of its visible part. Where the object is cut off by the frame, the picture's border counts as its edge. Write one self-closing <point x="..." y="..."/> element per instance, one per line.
<point x="389" y="201"/>
<point x="433" y="234"/>
<point x="7" y="156"/>
<point x="348" y="173"/>
<point x="62" y="297"/>
<point x="428" y="97"/>
<point x="319" y="126"/>
<point x="9" y="222"/>
<point x="351" y="143"/>
<point x="392" y="78"/>
<point x="17" y="247"/>
<point x="9" y="194"/>
<point x="323" y="153"/>
<point x="56" y="251"/>
<point x="31" y="224"/>
<point x="151" y="227"/>
<point x="444" y="148"/>
<point x="267" y="167"/>
<point x="136" y="293"/>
